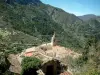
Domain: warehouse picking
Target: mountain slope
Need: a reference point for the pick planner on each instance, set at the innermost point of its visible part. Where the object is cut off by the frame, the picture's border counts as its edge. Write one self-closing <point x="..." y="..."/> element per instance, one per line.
<point x="37" y="20"/>
<point x="42" y="20"/>
<point x="29" y="19"/>
<point x="69" y="22"/>
<point x="98" y="18"/>
<point x="60" y="16"/>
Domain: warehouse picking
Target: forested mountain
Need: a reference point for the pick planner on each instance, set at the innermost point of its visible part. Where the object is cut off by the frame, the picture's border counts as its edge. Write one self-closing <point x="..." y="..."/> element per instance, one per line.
<point x="41" y="21"/>
<point x="24" y="23"/>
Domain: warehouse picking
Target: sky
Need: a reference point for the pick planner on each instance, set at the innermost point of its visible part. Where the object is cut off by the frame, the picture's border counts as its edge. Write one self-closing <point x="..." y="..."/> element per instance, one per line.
<point x="77" y="7"/>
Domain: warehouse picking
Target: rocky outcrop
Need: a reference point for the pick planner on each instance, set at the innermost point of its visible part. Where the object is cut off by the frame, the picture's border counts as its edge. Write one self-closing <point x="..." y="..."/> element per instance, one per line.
<point x="15" y="66"/>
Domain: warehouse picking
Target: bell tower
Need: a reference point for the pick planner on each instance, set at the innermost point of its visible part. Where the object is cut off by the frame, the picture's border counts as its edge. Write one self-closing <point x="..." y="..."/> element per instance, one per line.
<point x="53" y="40"/>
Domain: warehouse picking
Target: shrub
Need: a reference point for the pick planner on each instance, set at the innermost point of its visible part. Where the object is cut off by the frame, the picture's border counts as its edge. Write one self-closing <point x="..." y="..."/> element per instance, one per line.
<point x="30" y="63"/>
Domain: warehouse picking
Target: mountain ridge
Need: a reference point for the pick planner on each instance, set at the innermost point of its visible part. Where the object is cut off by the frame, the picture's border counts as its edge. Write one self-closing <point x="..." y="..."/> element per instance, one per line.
<point x="88" y="17"/>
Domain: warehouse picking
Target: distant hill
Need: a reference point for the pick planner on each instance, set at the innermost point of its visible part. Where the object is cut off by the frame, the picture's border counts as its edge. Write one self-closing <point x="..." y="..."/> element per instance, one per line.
<point x="87" y="17"/>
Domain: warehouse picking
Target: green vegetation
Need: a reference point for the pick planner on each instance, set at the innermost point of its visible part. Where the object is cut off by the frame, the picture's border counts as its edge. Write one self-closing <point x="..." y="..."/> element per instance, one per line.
<point x="36" y="21"/>
<point x="23" y="26"/>
<point x="5" y="49"/>
<point x="89" y="63"/>
<point x="30" y="63"/>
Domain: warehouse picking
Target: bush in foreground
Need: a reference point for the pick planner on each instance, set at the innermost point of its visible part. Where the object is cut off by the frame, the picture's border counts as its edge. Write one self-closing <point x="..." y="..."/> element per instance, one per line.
<point x="30" y="65"/>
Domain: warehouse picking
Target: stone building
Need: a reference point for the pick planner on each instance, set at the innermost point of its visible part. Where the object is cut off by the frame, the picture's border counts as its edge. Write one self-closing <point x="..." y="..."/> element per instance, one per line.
<point x="51" y="54"/>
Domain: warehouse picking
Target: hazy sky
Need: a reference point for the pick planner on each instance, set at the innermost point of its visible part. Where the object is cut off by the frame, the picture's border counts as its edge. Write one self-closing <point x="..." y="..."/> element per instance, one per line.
<point x="77" y="7"/>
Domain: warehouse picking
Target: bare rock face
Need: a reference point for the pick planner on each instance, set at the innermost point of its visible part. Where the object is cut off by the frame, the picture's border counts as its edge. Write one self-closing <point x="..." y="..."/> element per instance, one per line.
<point x="15" y="66"/>
<point x="40" y="72"/>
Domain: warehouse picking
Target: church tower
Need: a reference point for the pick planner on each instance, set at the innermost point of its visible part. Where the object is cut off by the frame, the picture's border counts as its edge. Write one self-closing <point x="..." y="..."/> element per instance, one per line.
<point x="53" y="40"/>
